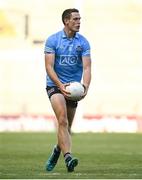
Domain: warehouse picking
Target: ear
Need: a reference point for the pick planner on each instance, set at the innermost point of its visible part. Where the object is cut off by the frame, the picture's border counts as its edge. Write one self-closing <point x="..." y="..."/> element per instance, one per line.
<point x="66" y="21"/>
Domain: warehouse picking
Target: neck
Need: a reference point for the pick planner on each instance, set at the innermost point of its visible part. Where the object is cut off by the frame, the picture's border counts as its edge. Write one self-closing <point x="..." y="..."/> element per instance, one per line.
<point x="69" y="33"/>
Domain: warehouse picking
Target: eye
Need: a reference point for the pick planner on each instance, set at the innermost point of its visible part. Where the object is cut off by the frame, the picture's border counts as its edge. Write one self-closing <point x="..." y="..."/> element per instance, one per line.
<point x="75" y="19"/>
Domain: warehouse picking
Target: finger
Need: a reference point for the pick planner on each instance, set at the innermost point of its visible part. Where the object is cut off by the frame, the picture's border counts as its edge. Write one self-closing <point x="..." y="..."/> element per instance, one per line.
<point x="66" y="92"/>
<point x="67" y="84"/>
<point x="84" y="88"/>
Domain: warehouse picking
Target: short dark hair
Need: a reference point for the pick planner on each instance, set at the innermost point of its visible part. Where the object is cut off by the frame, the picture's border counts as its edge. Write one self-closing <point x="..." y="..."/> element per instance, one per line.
<point x="67" y="13"/>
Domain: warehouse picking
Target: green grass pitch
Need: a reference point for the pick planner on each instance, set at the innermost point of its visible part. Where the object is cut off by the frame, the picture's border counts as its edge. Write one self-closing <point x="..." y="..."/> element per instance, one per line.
<point x="101" y="156"/>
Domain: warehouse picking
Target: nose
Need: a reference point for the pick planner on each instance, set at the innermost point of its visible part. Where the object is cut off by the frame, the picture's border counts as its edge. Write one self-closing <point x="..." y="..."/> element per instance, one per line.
<point x="78" y="22"/>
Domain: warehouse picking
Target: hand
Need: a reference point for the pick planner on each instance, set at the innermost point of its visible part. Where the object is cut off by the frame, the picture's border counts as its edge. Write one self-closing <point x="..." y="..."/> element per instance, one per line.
<point x="85" y="90"/>
<point x="63" y="89"/>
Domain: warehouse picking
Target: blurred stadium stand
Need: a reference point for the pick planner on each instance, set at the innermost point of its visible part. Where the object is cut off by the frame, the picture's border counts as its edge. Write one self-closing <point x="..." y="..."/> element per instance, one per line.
<point x="6" y="28"/>
<point x="114" y="30"/>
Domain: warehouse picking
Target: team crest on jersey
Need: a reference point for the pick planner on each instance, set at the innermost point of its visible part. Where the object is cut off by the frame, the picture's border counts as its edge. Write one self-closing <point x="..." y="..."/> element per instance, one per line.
<point x="78" y="48"/>
<point x="66" y="60"/>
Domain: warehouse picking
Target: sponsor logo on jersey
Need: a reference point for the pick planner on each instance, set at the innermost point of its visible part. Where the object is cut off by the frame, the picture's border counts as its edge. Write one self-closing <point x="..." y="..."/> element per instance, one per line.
<point x="66" y="60"/>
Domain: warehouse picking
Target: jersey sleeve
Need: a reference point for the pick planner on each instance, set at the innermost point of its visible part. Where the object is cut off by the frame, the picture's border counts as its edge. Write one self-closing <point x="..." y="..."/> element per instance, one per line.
<point x="86" y="48"/>
<point x="50" y="45"/>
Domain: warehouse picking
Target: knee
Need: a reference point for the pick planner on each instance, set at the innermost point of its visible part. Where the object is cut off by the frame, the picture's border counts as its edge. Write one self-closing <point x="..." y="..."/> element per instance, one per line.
<point x="63" y="122"/>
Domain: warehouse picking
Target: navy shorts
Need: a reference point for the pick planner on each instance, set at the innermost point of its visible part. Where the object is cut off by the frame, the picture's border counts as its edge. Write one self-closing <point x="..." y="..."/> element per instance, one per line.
<point x="54" y="90"/>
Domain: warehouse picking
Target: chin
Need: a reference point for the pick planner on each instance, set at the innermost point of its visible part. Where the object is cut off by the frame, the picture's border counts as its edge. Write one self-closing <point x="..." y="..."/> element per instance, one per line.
<point x="77" y="30"/>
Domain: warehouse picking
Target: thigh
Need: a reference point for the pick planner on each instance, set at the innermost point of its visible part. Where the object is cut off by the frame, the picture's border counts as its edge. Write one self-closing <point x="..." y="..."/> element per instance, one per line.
<point x="58" y="103"/>
<point x="70" y="114"/>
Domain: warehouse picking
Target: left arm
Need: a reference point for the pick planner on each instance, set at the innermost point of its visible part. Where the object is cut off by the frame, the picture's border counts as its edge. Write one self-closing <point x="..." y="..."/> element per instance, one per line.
<point x="86" y="72"/>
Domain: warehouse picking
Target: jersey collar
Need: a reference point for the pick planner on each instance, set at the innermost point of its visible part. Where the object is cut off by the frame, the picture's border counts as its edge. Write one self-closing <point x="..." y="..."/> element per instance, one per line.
<point x="64" y="35"/>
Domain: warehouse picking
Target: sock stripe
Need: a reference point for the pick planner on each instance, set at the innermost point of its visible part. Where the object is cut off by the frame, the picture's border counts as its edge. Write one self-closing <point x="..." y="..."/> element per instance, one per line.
<point x="67" y="156"/>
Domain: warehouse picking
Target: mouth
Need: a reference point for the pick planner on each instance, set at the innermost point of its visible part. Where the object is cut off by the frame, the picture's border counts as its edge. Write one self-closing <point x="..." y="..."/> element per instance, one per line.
<point x="78" y="27"/>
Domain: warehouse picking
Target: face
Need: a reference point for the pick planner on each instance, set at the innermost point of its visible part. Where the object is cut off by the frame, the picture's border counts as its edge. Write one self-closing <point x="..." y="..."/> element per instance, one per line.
<point x="73" y="23"/>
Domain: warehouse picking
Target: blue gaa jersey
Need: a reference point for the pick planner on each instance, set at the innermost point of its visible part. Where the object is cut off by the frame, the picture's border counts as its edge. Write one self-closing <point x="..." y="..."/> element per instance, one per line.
<point x="68" y="56"/>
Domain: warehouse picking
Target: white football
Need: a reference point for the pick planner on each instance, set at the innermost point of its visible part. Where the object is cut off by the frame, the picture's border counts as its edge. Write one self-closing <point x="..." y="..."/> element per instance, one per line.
<point x="77" y="91"/>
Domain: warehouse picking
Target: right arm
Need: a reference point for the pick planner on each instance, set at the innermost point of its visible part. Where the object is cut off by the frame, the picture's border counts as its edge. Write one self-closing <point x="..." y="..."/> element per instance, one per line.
<point x="49" y="65"/>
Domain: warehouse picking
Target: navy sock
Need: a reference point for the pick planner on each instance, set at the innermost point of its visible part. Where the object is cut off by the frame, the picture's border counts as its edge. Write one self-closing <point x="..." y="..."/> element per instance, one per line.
<point x="67" y="157"/>
<point x="57" y="148"/>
